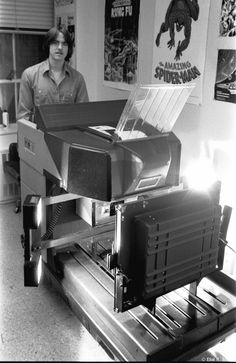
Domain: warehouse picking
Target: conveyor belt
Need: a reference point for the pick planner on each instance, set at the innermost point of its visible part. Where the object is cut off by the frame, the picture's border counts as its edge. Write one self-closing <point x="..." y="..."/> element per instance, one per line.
<point x="184" y="325"/>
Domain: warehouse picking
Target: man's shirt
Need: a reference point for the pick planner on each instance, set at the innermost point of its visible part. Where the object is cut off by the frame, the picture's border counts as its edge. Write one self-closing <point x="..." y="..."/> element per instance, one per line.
<point x="39" y="88"/>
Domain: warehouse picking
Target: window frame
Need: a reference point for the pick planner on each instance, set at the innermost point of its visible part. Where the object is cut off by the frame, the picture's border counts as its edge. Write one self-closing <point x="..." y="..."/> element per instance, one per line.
<point x="14" y="80"/>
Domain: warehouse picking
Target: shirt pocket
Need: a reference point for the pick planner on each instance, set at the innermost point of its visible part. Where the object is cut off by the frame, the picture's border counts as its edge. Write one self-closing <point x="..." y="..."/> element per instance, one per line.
<point x="41" y="97"/>
<point x="67" y="97"/>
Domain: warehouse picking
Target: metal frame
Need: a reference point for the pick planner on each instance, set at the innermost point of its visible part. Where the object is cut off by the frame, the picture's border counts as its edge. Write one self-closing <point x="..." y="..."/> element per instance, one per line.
<point x="179" y="330"/>
<point x="184" y="323"/>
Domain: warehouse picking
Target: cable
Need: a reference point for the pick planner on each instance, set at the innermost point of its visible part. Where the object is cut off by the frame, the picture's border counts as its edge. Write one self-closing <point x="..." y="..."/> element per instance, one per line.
<point x="54" y="219"/>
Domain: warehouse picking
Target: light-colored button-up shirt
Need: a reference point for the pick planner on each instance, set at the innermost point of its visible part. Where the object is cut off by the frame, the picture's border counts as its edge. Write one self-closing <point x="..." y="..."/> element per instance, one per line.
<point x="38" y="88"/>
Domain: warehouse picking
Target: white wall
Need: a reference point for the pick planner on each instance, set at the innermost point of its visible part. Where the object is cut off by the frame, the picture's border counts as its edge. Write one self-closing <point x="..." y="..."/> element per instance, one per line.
<point x="196" y="125"/>
<point x="213" y="119"/>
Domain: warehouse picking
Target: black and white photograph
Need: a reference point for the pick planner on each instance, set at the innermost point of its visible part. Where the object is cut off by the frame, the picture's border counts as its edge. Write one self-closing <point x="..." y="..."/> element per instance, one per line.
<point x="117" y="181"/>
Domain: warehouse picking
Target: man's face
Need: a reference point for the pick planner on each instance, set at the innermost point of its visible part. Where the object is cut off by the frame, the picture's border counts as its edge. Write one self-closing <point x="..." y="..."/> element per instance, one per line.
<point x="58" y="48"/>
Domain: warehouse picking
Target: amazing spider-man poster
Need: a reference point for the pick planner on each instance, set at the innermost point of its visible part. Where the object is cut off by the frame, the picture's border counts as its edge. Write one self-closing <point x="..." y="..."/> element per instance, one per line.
<point x="121" y="43"/>
<point x="179" y="47"/>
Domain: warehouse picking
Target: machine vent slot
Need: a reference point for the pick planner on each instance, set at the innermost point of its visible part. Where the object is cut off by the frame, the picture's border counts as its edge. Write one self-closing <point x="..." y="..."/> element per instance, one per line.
<point x="148" y="182"/>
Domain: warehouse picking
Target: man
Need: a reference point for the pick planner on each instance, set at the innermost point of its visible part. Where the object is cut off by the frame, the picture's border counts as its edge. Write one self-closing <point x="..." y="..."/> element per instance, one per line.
<point x="53" y="80"/>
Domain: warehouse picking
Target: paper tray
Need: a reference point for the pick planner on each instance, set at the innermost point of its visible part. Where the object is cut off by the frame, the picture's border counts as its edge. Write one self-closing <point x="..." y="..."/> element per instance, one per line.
<point x="152" y="109"/>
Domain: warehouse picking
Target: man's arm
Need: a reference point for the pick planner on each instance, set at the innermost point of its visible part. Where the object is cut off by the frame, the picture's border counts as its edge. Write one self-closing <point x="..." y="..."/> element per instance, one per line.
<point x="82" y="93"/>
<point x="26" y="102"/>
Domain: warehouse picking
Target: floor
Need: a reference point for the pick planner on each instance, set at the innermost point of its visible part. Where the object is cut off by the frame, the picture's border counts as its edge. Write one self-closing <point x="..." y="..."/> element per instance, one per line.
<point x="36" y="324"/>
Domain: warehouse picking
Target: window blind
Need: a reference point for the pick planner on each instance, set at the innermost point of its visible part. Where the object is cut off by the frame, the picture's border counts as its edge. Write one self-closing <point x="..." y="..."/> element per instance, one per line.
<point x="27" y="14"/>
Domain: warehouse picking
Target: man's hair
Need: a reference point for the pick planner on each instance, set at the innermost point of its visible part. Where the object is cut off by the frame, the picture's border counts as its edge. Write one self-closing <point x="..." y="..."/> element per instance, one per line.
<point x="52" y="35"/>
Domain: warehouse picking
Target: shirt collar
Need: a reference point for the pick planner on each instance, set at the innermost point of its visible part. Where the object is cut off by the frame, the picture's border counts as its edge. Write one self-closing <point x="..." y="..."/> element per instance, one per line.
<point x="46" y="67"/>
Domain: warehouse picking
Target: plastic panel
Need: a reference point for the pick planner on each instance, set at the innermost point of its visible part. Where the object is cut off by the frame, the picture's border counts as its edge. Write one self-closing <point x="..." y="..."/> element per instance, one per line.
<point x="180" y="244"/>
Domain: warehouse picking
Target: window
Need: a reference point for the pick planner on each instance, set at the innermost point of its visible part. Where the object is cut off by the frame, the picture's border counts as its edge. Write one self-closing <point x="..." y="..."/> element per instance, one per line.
<point x="23" y="24"/>
<point x="18" y="50"/>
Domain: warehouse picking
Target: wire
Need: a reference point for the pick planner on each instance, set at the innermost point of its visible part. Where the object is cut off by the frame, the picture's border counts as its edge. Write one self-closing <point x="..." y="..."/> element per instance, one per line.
<point x="53" y="222"/>
<point x="226" y="244"/>
<point x="54" y="219"/>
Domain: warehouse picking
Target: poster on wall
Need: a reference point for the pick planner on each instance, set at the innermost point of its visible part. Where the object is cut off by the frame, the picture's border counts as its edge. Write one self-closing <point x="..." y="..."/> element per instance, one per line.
<point x="228" y="18"/>
<point x="179" y="49"/>
<point x="67" y="20"/>
<point x="225" y="84"/>
<point x="65" y="16"/>
<point x="121" y="43"/>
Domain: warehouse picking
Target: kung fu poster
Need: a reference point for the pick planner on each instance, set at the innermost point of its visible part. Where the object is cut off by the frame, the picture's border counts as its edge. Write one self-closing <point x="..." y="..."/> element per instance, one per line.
<point x="179" y="47"/>
<point x="121" y="43"/>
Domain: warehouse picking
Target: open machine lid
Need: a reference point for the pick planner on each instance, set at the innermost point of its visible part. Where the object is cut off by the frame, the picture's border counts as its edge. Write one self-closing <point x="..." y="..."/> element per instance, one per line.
<point x="151" y="109"/>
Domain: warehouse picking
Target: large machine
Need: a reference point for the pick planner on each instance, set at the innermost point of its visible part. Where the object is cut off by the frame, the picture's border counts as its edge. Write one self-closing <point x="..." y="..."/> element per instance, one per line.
<point x="136" y="253"/>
